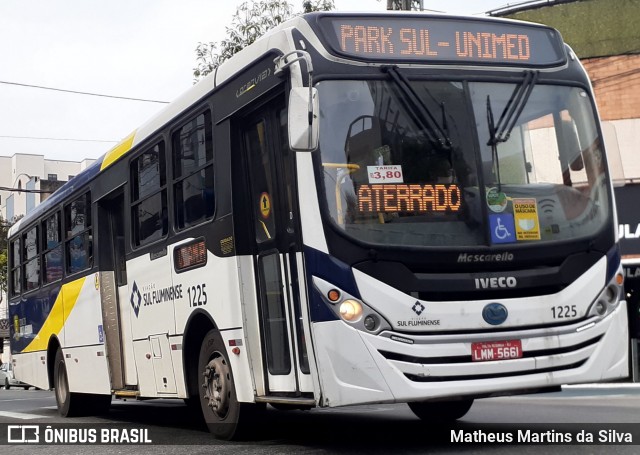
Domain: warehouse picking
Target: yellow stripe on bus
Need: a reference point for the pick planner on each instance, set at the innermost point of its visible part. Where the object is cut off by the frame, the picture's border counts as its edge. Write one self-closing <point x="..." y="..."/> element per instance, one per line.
<point x="66" y="300"/>
<point x="119" y="150"/>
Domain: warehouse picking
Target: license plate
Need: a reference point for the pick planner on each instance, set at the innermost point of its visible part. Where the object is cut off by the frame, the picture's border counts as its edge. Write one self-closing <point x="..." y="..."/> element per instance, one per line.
<point x="496" y="350"/>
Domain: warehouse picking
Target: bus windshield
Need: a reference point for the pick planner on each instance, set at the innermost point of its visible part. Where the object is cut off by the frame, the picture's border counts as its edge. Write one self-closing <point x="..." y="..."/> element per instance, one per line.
<point x="421" y="163"/>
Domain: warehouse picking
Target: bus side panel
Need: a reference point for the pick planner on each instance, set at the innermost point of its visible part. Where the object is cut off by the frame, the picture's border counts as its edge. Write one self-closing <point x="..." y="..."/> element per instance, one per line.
<point x="253" y="341"/>
<point x="82" y="338"/>
<point x="87" y="369"/>
<point x="214" y="288"/>
<point x="82" y="314"/>
<point x="309" y="206"/>
<point x="31" y="368"/>
<point x="126" y="312"/>
<point x="348" y="372"/>
<point x="239" y="366"/>
<point x="176" y="344"/>
<point x="151" y="296"/>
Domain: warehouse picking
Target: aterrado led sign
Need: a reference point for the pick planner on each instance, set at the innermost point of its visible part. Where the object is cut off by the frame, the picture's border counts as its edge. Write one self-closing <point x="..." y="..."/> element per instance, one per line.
<point x="408" y="198"/>
<point x="444" y="40"/>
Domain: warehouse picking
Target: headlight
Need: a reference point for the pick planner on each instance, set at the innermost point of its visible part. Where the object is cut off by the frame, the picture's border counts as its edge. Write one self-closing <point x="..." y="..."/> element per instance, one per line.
<point x="609" y="298"/>
<point x="350" y="309"/>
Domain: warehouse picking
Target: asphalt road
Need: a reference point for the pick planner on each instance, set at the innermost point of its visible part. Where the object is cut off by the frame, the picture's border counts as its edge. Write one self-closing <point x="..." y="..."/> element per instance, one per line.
<point x="611" y="413"/>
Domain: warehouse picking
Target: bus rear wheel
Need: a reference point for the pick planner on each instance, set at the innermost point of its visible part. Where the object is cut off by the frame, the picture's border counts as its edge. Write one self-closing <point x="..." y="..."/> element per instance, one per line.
<point x="68" y="403"/>
<point x="441" y="411"/>
<point x="226" y="418"/>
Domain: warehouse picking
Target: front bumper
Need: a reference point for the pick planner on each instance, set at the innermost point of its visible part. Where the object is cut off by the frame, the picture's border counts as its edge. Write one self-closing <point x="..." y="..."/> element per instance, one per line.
<point x="358" y="368"/>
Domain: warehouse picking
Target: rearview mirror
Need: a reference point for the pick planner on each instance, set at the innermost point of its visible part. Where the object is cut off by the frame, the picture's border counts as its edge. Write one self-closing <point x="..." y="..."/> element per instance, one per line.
<point x="303" y="119"/>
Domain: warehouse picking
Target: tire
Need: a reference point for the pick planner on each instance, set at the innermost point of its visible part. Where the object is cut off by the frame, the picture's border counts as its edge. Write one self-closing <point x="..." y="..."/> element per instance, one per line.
<point x="441" y="411"/>
<point x="71" y="404"/>
<point x="7" y="386"/>
<point x="68" y="403"/>
<point x="224" y="416"/>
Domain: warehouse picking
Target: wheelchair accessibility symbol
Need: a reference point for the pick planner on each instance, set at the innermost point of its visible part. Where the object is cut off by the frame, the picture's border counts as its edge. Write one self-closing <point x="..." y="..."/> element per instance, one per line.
<point x="502" y="228"/>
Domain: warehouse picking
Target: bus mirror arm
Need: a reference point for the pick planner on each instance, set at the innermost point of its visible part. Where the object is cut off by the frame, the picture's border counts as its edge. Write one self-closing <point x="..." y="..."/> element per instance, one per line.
<point x="285" y="61"/>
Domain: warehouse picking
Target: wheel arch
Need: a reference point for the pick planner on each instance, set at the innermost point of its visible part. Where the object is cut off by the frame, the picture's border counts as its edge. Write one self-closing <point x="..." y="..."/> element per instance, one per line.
<point x="198" y="325"/>
<point x="52" y="349"/>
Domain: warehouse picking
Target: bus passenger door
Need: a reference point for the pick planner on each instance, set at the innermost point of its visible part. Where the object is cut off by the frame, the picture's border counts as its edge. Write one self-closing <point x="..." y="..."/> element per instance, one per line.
<point x="272" y="203"/>
<point x="114" y="292"/>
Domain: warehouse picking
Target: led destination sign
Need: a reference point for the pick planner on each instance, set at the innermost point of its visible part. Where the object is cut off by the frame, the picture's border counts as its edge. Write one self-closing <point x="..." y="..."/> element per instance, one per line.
<point x="445" y="40"/>
<point x="408" y="198"/>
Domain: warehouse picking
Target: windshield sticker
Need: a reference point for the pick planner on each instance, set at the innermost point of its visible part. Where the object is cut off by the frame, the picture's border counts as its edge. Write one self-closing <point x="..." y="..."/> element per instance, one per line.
<point x="502" y="228"/>
<point x="525" y="212"/>
<point x="385" y="174"/>
<point x="409" y="198"/>
<point x="496" y="200"/>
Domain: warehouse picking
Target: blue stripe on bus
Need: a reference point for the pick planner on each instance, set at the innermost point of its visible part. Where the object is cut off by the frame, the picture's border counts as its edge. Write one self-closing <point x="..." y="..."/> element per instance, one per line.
<point x="329" y="269"/>
<point x="30" y="314"/>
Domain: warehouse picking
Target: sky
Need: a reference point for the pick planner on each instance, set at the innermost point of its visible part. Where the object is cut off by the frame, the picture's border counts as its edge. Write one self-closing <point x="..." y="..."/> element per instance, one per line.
<point x="137" y="49"/>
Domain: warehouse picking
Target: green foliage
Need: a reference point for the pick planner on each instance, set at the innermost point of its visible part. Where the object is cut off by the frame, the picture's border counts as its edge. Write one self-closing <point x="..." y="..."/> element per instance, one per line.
<point x="250" y="21"/>
<point x="309" y="6"/>
<point x="406" y="5"/>
<point x="3" y="271"/>
<point x="593" y="28"/>
<point x="4" y="251"/>
<point x="4" y="228"/>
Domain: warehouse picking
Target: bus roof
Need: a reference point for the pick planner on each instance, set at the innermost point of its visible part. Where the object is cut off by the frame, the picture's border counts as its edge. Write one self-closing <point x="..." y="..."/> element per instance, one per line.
<point x="319" y="23"/>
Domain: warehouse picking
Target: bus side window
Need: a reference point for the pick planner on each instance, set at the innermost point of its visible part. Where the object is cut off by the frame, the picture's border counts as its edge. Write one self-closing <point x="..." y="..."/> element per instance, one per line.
<point x="14" y="261"/>
<point x="52" y="250"/>
<point x="149" y="217"/>
<point x="78" y="243"/>
<point x="192" y="155"/>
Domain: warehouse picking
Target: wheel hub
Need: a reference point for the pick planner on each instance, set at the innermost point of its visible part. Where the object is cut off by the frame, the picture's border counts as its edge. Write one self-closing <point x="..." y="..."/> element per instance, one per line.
<point x="216" y="386"/>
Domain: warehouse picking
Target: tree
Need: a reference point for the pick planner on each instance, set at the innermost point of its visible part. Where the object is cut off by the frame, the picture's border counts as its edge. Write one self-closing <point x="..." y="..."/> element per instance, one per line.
<point x="250" y="21"/>
<point x="4" y="254"/>
<point x="4" y="228"/>
<point x="407" y="5"/>
<point x="3" y="274"/>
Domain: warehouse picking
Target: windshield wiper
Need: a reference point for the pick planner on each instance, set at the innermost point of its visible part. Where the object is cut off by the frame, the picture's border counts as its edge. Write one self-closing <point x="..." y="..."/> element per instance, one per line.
<point x="434" y="132"/>
<point x="501" y="131"/>
<point x="513" y="109"/>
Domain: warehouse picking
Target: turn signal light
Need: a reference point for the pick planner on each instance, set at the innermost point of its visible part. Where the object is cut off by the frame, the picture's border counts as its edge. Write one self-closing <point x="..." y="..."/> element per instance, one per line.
<point x="333" y="295"/>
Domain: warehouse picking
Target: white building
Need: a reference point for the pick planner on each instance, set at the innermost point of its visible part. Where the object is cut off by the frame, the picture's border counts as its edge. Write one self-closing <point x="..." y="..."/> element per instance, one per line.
<point x="30" y="172"/>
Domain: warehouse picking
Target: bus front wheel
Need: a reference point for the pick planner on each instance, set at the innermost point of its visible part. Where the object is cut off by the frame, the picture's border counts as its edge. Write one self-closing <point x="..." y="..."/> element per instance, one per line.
<point x="226" y="418"/>
<point x="441" y="411"/>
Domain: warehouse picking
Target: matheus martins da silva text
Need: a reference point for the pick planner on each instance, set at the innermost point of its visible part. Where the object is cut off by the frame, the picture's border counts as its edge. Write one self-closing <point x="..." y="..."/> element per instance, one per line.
<point x="548" y="436"/>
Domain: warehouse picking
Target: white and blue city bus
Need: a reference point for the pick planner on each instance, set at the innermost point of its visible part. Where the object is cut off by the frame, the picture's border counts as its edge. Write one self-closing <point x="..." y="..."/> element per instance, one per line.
<point x="356" y="208"/>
